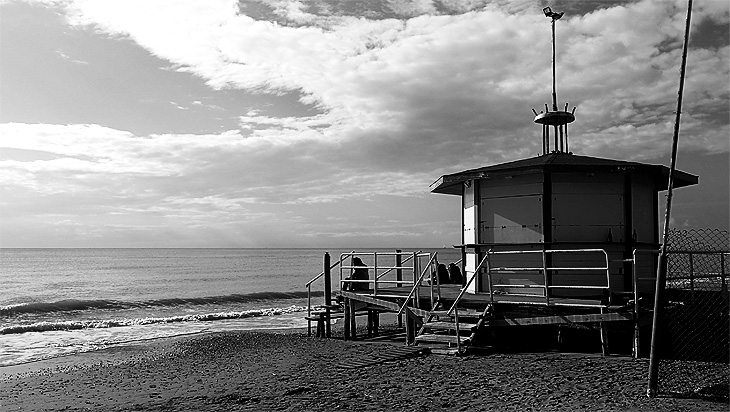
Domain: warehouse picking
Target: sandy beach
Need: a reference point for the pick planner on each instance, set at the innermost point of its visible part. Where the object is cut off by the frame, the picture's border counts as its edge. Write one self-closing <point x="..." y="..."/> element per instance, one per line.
<point x="288" y="371"/>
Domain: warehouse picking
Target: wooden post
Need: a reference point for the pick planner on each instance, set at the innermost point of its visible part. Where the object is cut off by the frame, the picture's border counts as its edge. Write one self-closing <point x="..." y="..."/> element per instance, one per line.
<point x="410" y="327"/>
<point x="376" y="322"/>
<point x="327" y="293"/>
<point x="604" y="335"/>
<point x="370" y="323"/>
<point x="353" y="322"/>
<point x="347" y="314"/>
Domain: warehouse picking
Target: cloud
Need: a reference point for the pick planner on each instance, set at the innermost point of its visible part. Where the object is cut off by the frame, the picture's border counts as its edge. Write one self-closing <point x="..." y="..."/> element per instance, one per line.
<point x="435" y="82"/>
<point x="404" y="92"/>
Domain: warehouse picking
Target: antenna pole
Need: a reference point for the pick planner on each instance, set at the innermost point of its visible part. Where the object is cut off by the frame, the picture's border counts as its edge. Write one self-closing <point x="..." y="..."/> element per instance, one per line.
<point x="661" y="277"/>
<point x="556" y="118"/>
<point x="555" y="98"/>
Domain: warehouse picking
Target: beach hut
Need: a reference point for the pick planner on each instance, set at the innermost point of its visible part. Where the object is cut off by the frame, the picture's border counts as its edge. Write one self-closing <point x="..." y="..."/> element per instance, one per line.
<point x="579" y="205"/>
<point x="559" y="239"/>
<point x="584" y="217"/>
<point x="561" y="229"/>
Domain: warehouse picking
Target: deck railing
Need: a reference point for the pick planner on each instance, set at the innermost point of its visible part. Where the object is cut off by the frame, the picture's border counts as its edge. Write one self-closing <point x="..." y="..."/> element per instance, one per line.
<point x="545" y="270"/>
<point x="463" y="290"/>
<point x="414" y="293"/>
<point x="308" y="285"/>
<point x="378" y="282"/>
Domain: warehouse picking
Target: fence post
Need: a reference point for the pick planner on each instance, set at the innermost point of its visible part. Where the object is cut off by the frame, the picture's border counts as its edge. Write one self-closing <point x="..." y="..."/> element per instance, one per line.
<point x="722" y="272"/>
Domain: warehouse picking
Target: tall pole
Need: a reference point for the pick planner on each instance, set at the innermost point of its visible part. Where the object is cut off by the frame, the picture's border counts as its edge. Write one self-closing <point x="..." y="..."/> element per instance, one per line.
<point x="555" y="98"/>
<point x="661" y="277"/>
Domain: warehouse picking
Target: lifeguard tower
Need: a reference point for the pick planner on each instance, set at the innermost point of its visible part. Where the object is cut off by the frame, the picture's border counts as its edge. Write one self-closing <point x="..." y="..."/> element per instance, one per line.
<point x="559" y="239"/>
<point x="560" y="229"/>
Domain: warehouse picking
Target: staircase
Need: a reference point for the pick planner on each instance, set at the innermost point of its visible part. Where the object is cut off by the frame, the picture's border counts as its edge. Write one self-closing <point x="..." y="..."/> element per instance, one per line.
<point x="452" y="334"/>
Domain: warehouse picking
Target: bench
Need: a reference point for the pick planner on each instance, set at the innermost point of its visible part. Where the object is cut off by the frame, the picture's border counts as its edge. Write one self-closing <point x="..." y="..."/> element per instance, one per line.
<point x="320" y="316"/>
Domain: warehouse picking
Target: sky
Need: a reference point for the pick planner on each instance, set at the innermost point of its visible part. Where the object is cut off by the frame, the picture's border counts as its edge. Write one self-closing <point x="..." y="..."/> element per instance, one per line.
<point x="322" y="123"/>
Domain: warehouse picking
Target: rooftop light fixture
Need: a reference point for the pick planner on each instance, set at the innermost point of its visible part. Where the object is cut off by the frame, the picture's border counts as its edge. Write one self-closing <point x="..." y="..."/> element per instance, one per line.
<point x="559" y="119"/>
<point x="551" y="14"/>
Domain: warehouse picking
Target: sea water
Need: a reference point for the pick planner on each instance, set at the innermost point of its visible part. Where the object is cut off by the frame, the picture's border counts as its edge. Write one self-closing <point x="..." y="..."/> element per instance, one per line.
<point x="55" y="302"/>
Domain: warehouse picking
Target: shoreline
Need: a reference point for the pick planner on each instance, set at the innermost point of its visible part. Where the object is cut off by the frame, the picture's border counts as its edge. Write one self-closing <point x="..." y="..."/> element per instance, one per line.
<point x="103" y="353"/>
<point x="286" y="370"/>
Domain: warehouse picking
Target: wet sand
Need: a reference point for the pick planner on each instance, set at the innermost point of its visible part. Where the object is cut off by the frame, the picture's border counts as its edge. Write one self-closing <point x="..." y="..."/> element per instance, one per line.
<point x="288" y="371"/>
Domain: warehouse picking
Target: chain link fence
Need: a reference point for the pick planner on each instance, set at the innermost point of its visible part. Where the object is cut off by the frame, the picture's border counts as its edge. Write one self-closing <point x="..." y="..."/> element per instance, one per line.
<point x="695" y="343"/>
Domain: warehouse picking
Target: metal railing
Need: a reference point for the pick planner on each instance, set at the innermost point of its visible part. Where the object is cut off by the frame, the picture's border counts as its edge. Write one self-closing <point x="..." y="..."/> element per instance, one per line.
<point x="308" y="285"/>
<point x="545" y="270"/>
<point x="380" y="271"/>
<point x="413" y="294"/>
<point x="463" y="290"/>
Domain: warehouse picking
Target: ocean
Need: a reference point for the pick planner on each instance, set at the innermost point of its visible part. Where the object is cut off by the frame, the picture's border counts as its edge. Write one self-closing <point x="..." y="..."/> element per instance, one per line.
<point x="55" y="302"/>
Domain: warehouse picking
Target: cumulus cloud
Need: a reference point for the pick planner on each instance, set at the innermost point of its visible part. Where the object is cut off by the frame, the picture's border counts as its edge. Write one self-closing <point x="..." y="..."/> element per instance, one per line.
<point x="404" y="92"/>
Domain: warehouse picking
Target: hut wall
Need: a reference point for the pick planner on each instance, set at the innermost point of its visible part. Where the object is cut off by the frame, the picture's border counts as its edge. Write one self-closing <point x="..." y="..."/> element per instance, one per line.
<point x="511" y="210"/>
<point x="644" y="214"/>
<point x="646" y="224"/>
<point x="469" y="234"/>
<point x="587" y="206"/>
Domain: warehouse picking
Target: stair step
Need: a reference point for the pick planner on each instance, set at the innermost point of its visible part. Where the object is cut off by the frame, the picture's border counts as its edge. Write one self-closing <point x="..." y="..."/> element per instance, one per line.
<point x="462" y="313"/>
<point x="440" y="325"/>
<point x="445" y="351"/>
<point x="431" y="337"/>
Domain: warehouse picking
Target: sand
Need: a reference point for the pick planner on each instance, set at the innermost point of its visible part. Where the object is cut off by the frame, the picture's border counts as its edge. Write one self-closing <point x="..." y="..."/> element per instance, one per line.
<point x="288" y="371"/>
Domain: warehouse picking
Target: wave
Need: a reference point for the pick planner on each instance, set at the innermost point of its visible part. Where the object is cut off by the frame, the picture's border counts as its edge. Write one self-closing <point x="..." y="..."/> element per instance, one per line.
<point x="68" y="305"/>
<point x="112" y="323"/>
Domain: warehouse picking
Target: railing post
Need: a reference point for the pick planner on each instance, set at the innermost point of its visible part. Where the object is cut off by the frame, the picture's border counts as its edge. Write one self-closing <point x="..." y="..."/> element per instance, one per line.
<point x="489" y="276"/>
<point x="309" y="309"/>
<point x="375" y="273"/>
<point x="434" y="279"/>
<point x="399" y="278"/>
<point x="636" y="304"/>
<point x="327" y="291"/>
<point x="458" y="332"/>
<point x="722" y="272"/>
<point x="545" y="276"/>
<point x="415" y="280"/>
<point x="398" y="270"/>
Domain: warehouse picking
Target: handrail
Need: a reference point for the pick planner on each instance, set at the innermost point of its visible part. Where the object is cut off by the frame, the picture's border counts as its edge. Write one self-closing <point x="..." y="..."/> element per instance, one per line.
<point x="546" y="268"/>
<point x="390" y="269"/>
<point x="308" y="285"/>
<point x="334" y="265"/>
<point x="416" y="284"/>
<point x="375" y="267"/>
<point x="463" y="290"/>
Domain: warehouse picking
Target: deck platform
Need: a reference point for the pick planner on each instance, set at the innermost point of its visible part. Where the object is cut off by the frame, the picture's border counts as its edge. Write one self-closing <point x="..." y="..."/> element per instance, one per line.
<point x="505" y="311"/>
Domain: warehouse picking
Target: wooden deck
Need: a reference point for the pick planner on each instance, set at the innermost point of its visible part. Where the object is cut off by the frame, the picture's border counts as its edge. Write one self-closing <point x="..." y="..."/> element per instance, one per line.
<point x="499" y="311"/>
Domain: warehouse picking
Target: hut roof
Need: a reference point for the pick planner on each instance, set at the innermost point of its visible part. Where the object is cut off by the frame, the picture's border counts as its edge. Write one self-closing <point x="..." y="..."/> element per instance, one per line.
<point x="562" y="162"/>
